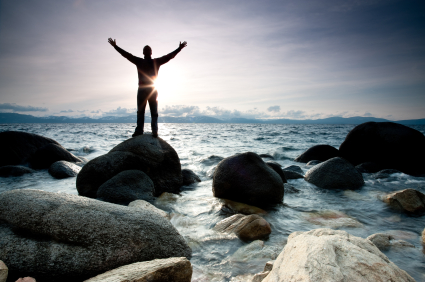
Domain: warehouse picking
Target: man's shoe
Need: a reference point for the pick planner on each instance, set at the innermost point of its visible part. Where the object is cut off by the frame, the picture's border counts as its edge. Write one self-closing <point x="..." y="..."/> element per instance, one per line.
<point x="137" y="134"/>
<point x="155" y="134"/>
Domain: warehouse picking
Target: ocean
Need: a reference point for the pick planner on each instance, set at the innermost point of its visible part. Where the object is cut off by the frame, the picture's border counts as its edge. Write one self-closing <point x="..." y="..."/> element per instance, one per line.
<point x="223" y="257"/>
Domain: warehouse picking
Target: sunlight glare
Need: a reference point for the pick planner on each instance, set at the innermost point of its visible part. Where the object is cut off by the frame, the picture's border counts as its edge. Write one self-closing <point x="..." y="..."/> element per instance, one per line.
<point x="168" y="83"/>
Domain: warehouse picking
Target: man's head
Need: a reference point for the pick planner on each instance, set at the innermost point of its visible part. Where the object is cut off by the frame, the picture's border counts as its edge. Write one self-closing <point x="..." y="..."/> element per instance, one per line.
<point x="147" y="51"/>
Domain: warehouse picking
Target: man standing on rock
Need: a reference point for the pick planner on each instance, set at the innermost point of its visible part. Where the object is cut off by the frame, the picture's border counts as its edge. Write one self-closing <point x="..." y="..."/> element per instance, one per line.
<point x="147" y="70"/>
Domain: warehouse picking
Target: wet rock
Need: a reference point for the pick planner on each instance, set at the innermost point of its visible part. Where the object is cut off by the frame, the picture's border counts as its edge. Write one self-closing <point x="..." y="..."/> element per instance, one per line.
<point x="64" y="169"/>
<point x="153" y="156"/>
<point x="211" y="160"/>
<point x="313" y="163"/>
<point x="289" y="174"/>
<point x="290" y="189"/>
<point x="294" y="168"/>
<point x="170" y="269"/>
<point x="246" y="178"/>
<point x="408" y="200"/>
<point x="335" y="173"/>
<point x="254" y="251"/>
<point x="62" y="237"/>
<point x="143" y="205"/>
<point x="269" y="265"/>
<point x="211" y="171"/>
<point x="125" y="187"/>
<point x="17" y="147"/>
<point x="189" y="177"/>
<point x="319" y="152"/>
<point x="236" y="207"/>
<point x="246" y="227"/>
<point x="266" y="156"/>
<point x="332" y="219"/>
<point x="14" y="170"/>
<point x="3" y="271"/>
<point x="166" y="198"/>
<point x="388" y="144"/>
<point x="333" y="255"/>
<point x="278" y="170"/>
<point x="385" y="173"/>
<point x="45" y="156"/>
<point x="260" y="276"/>
<point x="82" y="162"/>
<point x="368" y="167"/>
<point x="384" y="241"/>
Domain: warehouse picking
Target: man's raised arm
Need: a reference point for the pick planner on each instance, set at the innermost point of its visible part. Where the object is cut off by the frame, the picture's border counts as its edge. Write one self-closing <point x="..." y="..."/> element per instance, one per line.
<point x="124" y="53"/>
<point x="170" y="56"/>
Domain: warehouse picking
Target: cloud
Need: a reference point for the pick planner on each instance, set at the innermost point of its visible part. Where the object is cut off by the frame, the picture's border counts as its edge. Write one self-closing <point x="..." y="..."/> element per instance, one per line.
<point x="18" y="108"/>
<point x="118" y="112"/>
<point x="67" y="111"/>
<point x="275" y="109"/>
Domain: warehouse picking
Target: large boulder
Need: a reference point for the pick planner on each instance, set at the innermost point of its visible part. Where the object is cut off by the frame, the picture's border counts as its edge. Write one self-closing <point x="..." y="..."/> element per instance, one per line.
<point x="153" y="156"/>
<point x="388" y="144"/>
<point x="319" y="152"/>
<point x="143" y="205"/>
<point x="45" y="156"/>
<point x="293" y="172"/>
<point x="16" y="147"/>
<point x="14" y="170"/>
<point x="246" y="227"/>
<point x="170" y="269"/>
<point x="335" y="173"/>
<point x="62" y="237"/>
<point x="278" y="169"/>
<point x="125" y="187"/>
<point x="63" y="169"/>
<point x="246" y="178"/>
<point x="333" y="255"/>
<point x="408" y="200"/>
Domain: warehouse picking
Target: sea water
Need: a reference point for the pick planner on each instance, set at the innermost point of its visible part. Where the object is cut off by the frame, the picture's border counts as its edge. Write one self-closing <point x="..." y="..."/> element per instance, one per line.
<point x="223" y="257"/>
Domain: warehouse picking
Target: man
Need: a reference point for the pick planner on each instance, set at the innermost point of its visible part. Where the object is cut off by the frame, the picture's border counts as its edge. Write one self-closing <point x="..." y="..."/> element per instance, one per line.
<point x="147" y="70"/>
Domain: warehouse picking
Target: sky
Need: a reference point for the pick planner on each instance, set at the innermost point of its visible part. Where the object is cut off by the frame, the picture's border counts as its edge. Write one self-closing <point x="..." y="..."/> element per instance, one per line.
<point x="255" y="59"/>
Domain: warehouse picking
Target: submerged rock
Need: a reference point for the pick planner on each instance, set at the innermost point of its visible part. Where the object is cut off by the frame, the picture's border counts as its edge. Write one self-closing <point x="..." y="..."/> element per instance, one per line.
<point x="45" y="156"/>
<point x="125" y="187"/>
<point x="266" y="156"/>
<point x="143" y="205"/>
<point x="170" y="269"/>
<point x="189" y="177"/>
<point x="408" y="200"/>
<point x="246" y="227"/>
<point x="294" y="168"/>
<point x="385" y="173"/>
<point x="246" y="178"/>
<point x="319" y="152"/>
<point x="388" y="144"/>
<point x="14" y="170"/>
<point x="64" y="169"/>
<point x="278" y="170"/>
<point x="290" y="189"/>
<point x="62" y="237"/>
<point x="384" y="241"/>
<point x="3" y="271"/>
<point x="368" y="167"/>
<point x="254" y="251"/>
<point x="236" y="207"/>
<point x="335" y="173"/>
<point x="332" y="219"/>
<point x="313" y="163"/>
<point x="333" y="255"/>
<point x="211" y="160"/>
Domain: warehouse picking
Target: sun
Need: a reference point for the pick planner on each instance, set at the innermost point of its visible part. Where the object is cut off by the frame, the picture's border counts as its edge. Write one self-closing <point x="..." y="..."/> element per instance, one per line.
<point x="168" y="83"/>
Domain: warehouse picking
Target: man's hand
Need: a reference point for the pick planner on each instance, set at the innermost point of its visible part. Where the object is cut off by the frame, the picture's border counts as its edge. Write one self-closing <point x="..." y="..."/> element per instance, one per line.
<point x="114" y="42"/>
<point x="182" y="45"/>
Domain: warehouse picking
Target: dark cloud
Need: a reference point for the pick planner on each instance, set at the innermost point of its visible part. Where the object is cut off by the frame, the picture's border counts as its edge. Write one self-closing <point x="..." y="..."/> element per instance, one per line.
<point x="67" y="111"/>
<point x="18" y="108"/>
<point x="119" y="112"/>
<point x="275" y="109"/>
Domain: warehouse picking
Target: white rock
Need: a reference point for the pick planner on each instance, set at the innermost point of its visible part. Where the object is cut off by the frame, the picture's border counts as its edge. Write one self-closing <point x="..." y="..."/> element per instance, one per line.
<point x="3" y="271"/>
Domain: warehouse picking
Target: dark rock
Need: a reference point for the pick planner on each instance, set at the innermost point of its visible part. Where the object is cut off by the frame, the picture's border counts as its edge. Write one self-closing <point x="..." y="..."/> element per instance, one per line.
<point x="17" y="147"/>
<point x="125" y="187"/>
<point x="313" y="163"/>
<point x="289" y="189"/>
<point x="153" y="156"/>
<point x="189" y="177"/>
<point x="62" y="237"/>
<point x="82" y="162"/>
<point x="211" y="160"/>
<point x="408" y="200"/>
<point x="14" y="170"/>
<point x="49" y="154"/>
<point x="246" y="178"/>
<point x="246" y="227"/>
<point x="230" y="206"/>
<point x="63" y="169"/>
<point x="291" y="174"/>
<point x="335" y="173"/>
<point x="294" y="168"/>
<point x="318" y="152"/>
<point x="385" y="173"/>
<point x="278" y="170"/>
<point x="388" y="144"/>
<point x="368" y="167"/>
<point x="266" y="156"/>
<point x="273" y="162"/>
<point x="385" y="241"/>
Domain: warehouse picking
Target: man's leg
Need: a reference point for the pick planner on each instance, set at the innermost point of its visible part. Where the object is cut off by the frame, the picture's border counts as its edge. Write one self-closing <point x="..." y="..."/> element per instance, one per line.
<point x="153" y="106"/>
<point x="142" y="98"/>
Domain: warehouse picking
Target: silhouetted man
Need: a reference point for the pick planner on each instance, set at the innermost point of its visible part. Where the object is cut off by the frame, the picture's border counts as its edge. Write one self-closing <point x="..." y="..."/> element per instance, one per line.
<point x="147" y="69"/>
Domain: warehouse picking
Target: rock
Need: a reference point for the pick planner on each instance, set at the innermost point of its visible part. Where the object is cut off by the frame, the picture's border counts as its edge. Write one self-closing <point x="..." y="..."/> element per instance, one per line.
<point x="313" y="163"/>
<point x="385" y="241"/>
<point x="269" y="265"/>
<point x="278" y="170"/>
<point x="260" y="276"/>
<point x="211" y="160"/>
<point x="14" y="170"/>
<point x="170" y="269"/>
<point x="189" y="177"/>
<point x="26" y="279"/>
<point x="289" y="174"/>
<point x="333" y="255"/>
<point x="290" y="189"/>
<point x="211" y="171"/>
<point x="63" y="169"/>
<point x="153" y="156"/>
<point x="125" y="187"/>
<point x="319" y="152"/>
<point x="143" y="205"/>
<point x="45" y="156"/>
<point x="408" y="200"/>
<point x="3" y="271"/>
<point x="335" y="173"/>
<point x="82" y="162"/>
<point x="62" y="237"/>
<point x="368" y="167"/>
<point x="246" y="178"/>
<point x="266" y="156"/>
<point x="17" y="147"/>
<point x="246" y="227"/>
<point x="385" y="173"/>
<point x="236" y="207"/>
<point x="332" y="219"/>
<point x="294" y="168"/>
<point x="388" y="144"/>
<point x="255" y="250"/>
<point x="423" y="236"/>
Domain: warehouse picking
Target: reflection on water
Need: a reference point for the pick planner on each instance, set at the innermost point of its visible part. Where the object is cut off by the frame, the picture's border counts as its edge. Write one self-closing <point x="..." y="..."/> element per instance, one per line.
<point x="223" y="257"/>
